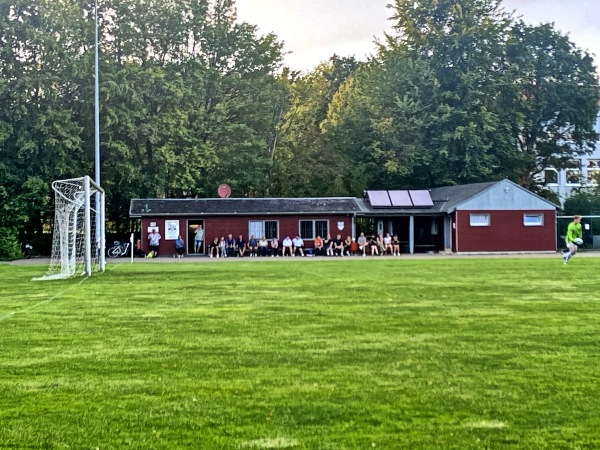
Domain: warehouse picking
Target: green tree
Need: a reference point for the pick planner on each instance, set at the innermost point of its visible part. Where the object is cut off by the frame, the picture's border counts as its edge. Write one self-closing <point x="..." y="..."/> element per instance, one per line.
<point x="40" y="137"/>
<point x="187" y="98"/>
<point x="558" y="94"/>
<point x="305" y="163"/>
<point x="462" y="42"/>
<point x="379" y="119"/>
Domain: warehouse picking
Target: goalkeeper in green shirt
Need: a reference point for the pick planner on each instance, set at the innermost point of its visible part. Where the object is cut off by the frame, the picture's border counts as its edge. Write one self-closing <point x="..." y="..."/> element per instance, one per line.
<point x="573" y="238"/>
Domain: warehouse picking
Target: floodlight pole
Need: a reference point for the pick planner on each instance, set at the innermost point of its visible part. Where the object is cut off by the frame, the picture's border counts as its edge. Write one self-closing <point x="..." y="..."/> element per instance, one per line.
<point x="100" y="214"/>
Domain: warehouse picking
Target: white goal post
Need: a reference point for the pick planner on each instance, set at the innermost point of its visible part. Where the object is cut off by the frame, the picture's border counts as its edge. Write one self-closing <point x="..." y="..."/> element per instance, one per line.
<point x="79" y="229"/>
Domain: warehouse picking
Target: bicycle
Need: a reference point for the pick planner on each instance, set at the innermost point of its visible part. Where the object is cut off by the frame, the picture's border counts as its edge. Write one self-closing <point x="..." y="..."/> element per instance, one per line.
<point x="118" y="249"/>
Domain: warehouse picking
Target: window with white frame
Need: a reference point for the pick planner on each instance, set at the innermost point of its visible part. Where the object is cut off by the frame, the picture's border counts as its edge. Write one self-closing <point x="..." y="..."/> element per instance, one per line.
<point x="310" y="229"/>
<point x="593" y="171"/>
<point x="574" y="172"/>
<point x="479" y="220"/>
<point x="533" y="220"/>
<point x="267" y="228"/>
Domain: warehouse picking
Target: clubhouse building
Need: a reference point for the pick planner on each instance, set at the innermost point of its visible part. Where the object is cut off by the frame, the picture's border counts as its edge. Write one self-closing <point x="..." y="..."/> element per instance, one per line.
<point x="494" y="217"/>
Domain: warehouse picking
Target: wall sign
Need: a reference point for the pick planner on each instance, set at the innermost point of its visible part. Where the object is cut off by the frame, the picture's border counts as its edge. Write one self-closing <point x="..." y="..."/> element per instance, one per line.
<point x="171" y="230"/>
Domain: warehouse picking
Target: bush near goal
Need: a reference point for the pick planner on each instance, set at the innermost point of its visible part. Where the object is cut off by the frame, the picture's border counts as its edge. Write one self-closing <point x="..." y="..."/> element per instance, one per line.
<point x="78" y="236"/>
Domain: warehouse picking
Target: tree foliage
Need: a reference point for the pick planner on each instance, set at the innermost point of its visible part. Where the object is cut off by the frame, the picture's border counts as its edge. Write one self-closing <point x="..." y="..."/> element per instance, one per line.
<point x="464" y="93"/>
<point x="190" y="98"/>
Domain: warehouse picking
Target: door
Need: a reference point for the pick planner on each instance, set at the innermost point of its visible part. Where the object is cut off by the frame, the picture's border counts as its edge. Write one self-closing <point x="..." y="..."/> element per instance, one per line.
<point x="193" y="226"/>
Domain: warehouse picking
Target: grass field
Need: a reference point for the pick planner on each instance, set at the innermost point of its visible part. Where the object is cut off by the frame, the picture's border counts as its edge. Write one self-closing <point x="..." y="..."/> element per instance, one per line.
<point x="457" y="353"/>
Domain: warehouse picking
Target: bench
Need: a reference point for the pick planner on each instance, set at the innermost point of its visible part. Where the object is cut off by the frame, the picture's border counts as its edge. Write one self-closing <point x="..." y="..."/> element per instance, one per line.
<point x="424" y="247"/>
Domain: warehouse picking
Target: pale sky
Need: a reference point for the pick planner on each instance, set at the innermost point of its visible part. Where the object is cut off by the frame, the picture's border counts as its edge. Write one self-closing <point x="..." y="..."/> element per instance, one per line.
<point x="313" y="30"/>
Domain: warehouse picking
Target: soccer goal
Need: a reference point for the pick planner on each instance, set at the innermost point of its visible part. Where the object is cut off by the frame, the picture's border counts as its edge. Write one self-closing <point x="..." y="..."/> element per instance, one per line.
<point x="78" y="239"/>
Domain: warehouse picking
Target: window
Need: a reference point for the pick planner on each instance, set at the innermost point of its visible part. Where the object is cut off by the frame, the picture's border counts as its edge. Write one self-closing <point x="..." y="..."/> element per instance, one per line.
<point x="434" y="226"/>
<point x="593" y="171"/>
<point x="267" y="228"/>
<point x="533" y="220"/>
<point x="479" y="220"/>
<point x="574" y="173"/>
<point x="550" y="176"/>
<point x="310" y="229"/>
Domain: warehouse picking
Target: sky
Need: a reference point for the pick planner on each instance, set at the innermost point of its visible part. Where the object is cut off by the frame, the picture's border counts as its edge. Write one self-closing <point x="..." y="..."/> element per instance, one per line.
<point x="313" y="30"/>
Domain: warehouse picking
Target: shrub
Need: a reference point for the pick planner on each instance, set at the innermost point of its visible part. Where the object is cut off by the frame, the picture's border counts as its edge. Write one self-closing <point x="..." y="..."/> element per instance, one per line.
<point x="9" y="245"/>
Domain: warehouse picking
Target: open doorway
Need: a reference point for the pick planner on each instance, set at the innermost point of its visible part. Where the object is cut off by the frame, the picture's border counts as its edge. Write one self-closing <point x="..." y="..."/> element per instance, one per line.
<point x="195" y="237"/>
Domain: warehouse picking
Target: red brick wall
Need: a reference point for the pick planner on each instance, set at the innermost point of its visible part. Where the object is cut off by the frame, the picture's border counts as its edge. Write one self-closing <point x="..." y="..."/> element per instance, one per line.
<point x="222" y="226"/>
<point x="506" y="233"/>
<point x="165" y="247"/>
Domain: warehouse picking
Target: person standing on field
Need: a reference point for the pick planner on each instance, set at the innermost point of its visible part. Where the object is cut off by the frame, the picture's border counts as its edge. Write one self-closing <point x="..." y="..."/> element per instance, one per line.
<point x="154" y="242"/>
<point x="574" y="235"/>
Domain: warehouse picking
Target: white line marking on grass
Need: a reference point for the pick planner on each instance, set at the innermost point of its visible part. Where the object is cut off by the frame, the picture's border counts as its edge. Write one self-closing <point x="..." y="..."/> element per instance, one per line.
<point x="486" y="424"/>
<point x="29" y="308"/>
<point x="271" y="443"/>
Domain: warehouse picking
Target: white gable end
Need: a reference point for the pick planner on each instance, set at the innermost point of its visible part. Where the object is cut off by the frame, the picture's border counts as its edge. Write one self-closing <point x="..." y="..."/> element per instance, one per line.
<point x="506" y="196"/>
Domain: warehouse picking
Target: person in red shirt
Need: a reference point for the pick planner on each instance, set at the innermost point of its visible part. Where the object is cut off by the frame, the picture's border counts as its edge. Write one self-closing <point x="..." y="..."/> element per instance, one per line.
<point x="319" y="246"/>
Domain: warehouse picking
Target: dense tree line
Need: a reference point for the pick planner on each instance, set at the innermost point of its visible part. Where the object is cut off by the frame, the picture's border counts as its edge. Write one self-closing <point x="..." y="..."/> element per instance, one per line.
<point x="190" y="98"/>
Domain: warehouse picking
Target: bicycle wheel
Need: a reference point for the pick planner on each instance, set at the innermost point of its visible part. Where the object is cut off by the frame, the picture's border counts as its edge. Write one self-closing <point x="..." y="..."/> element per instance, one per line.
<point x="114" y="252"/>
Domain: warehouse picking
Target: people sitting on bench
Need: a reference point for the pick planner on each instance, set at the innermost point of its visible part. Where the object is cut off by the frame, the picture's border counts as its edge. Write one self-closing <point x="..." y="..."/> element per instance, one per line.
<point x="253" y="246"/>
<point x="362" y="244"/>
<point x="263" y="246"/>
<point x="179" y="247"/>
<point x="373" y="245"/>
<point x="347" y="244"/>
<point x="275" y="248"/>
<point x="338" y="246"/>
<point x="387" y="244"/>
<point x="298" y="243"/>
<point x="395" y="245"/>
<point x="319" y="246"/>
<point x="241" y="246"/>
<point x="214" y="248"/>
<point x="231" y="245"/>
<point x="354" y="247"/>
<point x="328" y="245"/>
<point x="287" y="246"/>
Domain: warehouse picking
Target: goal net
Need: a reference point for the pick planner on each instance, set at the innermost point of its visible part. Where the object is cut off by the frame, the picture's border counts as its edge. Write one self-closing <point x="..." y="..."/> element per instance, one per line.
<point x="78" y="239"/>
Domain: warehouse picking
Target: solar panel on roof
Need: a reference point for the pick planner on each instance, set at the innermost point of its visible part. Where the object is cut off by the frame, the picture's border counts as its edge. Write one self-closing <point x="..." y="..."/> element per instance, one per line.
<point x="421" y="198"/>
<point x="379" y="198"/>
<point x="400" y="198"/>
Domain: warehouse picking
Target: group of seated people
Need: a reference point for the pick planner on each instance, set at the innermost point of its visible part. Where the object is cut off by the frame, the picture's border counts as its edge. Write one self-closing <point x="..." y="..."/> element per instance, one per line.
<point x="372" y="245"/>
<point x="253" y="247"/>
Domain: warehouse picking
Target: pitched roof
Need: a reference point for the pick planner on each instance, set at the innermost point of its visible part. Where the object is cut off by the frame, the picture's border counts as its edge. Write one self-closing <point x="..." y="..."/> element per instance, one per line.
<point x="241" y="206"/>
<point x="445" y="200"/>
<point x="449" y="197"/>
<point x="454" y="196"/>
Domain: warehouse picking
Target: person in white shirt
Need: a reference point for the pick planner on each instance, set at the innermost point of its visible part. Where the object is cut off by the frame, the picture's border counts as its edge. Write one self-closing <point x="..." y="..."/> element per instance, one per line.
<point x="154" y="242"/>
<point x="263" y="246"/>
<point x="287" y="245"/>
<point x="298" y="244"/>
<point x="275" y="247"/>
<point x="362" y="243"/>
<point x="387" y="244"/>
